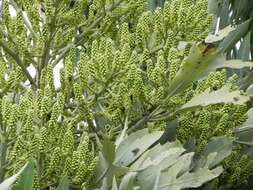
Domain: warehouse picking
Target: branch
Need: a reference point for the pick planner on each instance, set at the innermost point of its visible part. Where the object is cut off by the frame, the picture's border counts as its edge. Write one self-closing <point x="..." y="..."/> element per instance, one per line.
<point x="79" y="37"/>
<point x="143" y="120"/>
<point x="10" y="38"/>
<point x="26" y="22"/>
<point x="3" y="149"/>
<point x="18" y="61"/>
<point x="47" y="45"/>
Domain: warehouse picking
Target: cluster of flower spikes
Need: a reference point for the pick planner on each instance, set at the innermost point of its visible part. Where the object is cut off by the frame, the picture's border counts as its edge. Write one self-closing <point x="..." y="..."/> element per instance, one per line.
<point x="214" y="120"/>
<point x="218" y="120"/>
<point x="173" y="23"/>
<point x="41" y="30"/>
<point x="149" y="59"/>
<point x="130" y="70"/>
<point x="33" y="121"/>
<point x="123" y="73"/>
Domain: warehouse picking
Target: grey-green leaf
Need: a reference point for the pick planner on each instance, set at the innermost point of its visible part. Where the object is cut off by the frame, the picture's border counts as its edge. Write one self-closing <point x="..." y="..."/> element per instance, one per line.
<point x="220" y="146"/>
<point x="223" y="95"/>
<point x="134" y="145"/>
<point x="234" y="36"/>
<point x="249" y="90"/>
<point x="212" y="38"/>
<point x="245" y="131"/>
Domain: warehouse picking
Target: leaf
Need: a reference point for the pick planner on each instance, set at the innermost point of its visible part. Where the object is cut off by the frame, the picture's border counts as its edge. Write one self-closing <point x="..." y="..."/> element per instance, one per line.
<point x="26" y="179"/>
<point x="234" y="36"/>
<point x="123" y="134"/>
<point x="134" y="145"/>
<point x="108" y="150"/>
<point x="212" y="38"/>
<point x="152" y="4"/>
<point x="170" y="132"/>
<point x="221" y="62"/>
<point x="104" y="185"/>
<point x="245" y="131"/>
<point x="158" y="159"/>
<point x="221" y="146"/>
<point x="106" y="169"/>
<point x="169" y="167"/>
<point x="223" y="95"/>
<point x="64" y="184"/>
<point x="249" y="90"/>
<point x="6" y="184"/>
<point x="187" y="180"/>
<point x="127" y="181"/>
<point x="213" y="6"/>
<point x="175" y="176"/>
<point x="224" y="14"/>
<point x="114" y="184"/>
<point x="200" y="56"/>
<point x="244" y="51"/>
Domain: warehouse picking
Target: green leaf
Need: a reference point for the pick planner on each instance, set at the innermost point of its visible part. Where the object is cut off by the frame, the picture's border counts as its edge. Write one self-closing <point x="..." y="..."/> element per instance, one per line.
<point x="64" y="184"/>
<point x="26" y="179"/>
<point x="223" y="95"/>
<point x="224" y="14"/>
<point x="26" y="172"/>
<point x="234" y="36"/>
<point x="200" y="56"/>
<point x="152" y="4"/>
<point x="134" y="145"/>
<point x="104" y="185"/>
<point x="108" y="150"/>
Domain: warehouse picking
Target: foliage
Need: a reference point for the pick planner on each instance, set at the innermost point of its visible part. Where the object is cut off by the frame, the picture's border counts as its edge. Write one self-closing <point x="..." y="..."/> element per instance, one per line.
<point x="127" y="74"/>
<point x="167" y="166"/>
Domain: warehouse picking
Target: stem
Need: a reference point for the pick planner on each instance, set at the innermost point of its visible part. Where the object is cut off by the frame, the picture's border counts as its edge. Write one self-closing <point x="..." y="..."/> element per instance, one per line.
<point x="26" y="22"/>
<point x="18" y="61"/>
<point x="46" y="51"/>
<point x="79" y="38"/>
<point x="3" y="153"/>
